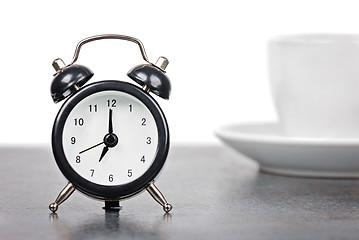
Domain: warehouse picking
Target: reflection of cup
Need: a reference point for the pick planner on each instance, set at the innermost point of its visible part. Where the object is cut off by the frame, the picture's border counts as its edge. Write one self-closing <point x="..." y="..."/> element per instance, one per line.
<point x="315" y="84"/>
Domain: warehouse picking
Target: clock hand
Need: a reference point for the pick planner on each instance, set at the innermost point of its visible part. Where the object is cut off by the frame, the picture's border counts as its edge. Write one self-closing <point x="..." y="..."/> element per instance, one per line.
<point x="91" y="147"/>
<point x="110" y="127"/>
<point x="110" y="139"/>
<point x="104" y="151"/>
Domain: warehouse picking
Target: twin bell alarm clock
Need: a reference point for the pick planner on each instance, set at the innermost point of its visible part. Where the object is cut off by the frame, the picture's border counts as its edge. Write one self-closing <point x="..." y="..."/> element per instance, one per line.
<point x="110" y="138"/>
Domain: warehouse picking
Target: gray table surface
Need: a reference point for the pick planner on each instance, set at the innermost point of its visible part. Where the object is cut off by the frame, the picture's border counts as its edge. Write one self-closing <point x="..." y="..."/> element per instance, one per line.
<point x="215" y="193"/>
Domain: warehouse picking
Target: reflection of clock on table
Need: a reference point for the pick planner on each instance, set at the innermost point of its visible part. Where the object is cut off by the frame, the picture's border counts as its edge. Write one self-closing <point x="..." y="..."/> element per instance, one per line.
<point x="110" y="139"/>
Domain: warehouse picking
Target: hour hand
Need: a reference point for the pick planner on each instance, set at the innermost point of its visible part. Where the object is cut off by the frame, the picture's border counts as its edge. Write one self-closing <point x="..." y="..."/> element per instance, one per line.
<point x="104" y="151"/>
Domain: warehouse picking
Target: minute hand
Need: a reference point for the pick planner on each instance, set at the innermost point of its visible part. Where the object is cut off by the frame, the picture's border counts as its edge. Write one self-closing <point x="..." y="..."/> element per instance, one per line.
<point x="110" y="139"/>
<point x="110" y="127"/>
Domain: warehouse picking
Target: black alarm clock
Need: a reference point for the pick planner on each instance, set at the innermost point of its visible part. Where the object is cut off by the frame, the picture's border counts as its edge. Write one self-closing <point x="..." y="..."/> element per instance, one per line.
<point x="110" y="138"/>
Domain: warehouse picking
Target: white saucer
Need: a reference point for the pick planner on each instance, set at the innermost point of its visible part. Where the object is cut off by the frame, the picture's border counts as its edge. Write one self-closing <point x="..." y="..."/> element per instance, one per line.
<point x="280" y="154"/>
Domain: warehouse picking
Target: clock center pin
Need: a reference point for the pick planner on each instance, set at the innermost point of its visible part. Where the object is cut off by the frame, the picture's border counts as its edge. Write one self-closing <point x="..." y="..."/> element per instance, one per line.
<point x="110" y="140"/>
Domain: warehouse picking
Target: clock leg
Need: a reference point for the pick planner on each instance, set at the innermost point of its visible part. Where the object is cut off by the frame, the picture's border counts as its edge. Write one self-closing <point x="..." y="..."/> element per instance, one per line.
<point x="157" y="195"/>
<point x="63" y="195"/>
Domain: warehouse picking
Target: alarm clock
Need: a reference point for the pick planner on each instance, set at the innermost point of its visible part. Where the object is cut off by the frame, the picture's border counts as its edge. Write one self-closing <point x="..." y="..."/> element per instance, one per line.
<point x="110" y="138"/>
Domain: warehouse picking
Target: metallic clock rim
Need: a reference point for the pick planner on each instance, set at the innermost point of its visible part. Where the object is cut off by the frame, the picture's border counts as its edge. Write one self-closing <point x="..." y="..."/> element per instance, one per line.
<point x="119" y="191"/>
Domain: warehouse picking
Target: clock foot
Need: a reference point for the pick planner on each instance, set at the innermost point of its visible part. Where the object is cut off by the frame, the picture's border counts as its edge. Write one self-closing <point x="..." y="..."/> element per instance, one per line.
<point x="63" y="195"/>
<point x="112" y="206"/>
<point x="158" y="196"/>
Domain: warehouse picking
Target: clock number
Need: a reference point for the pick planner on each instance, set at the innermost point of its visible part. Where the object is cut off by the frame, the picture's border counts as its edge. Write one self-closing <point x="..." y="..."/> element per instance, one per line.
<point x="93" y="108"/>
<point x="92" y="172"/>
<point x="78" y="159"/>
<point x="149" y="140"/>
<point x="144" y="121"/>
<point x="79" y="121"/>
<point x="143" y="159"/>
<point x="111" y="103"/>
<point x="129" y="173"/>
<point x="73" y="140"/>
<point x="110" y="178"/>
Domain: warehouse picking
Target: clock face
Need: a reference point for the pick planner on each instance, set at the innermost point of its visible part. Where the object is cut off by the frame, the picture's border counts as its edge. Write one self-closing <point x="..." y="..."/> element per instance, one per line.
<point x="110" y="139"/>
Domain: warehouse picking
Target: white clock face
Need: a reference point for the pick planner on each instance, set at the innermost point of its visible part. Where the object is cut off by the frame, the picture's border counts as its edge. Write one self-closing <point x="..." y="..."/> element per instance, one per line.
<point x="110" y="138"/>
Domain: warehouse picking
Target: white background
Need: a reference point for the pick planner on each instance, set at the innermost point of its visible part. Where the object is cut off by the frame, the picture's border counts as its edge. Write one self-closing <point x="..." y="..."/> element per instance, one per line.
<point x="217" y="53"/>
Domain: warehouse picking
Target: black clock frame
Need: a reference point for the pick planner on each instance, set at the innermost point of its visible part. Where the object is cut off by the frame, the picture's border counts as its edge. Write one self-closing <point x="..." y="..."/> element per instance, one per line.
<point x="116" y="192"/>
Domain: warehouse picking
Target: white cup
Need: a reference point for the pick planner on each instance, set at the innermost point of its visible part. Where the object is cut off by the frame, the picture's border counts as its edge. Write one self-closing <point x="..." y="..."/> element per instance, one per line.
<point x="315" y="84"/>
